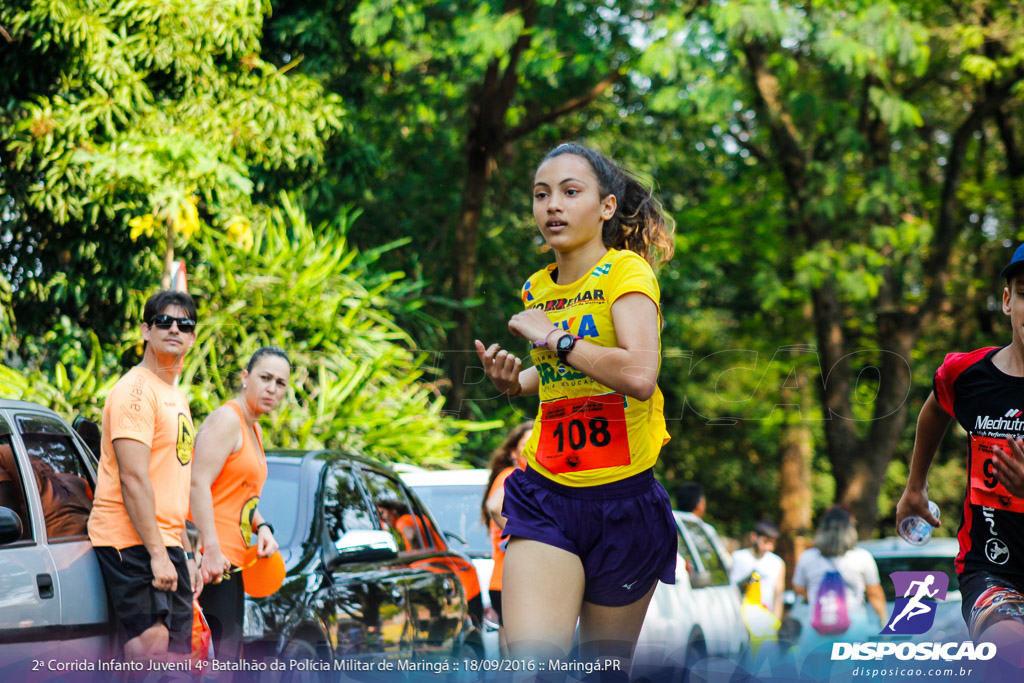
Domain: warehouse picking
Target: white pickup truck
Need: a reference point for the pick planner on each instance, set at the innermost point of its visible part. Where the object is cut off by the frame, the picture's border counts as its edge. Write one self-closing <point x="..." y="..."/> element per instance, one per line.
<point x="53" y="606"/>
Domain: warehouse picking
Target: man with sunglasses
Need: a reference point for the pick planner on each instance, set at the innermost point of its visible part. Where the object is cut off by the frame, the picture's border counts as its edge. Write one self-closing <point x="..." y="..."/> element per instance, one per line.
<point x="137" y="524"/>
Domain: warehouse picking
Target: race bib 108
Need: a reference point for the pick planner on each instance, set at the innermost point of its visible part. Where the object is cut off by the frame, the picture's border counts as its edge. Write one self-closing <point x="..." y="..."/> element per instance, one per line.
<point x="586" y="433"/>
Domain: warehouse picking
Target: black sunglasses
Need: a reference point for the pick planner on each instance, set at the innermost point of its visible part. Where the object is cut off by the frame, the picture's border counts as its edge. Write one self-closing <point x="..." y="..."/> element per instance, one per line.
<point x="164" y="322"/>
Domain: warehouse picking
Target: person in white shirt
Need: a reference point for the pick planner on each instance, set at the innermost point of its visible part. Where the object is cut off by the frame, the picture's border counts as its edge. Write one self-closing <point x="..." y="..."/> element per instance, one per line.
<point x="760" y="558"/>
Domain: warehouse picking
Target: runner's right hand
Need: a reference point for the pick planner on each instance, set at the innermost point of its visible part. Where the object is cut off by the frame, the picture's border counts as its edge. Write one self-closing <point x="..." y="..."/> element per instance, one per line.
<point x="915" y="502"/>
<point x="501" y="367"/>
<point x="165" y="575"/>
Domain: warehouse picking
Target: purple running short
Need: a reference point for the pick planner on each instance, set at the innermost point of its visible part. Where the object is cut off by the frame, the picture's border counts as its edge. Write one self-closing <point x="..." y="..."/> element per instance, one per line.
<point x="623" y="532"/>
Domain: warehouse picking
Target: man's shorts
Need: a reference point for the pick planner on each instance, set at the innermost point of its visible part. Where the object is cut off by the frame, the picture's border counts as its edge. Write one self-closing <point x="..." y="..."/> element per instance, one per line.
<point x="623" y="532"/>
<point x="136" y="605"/>
<point x="988" y="598"/>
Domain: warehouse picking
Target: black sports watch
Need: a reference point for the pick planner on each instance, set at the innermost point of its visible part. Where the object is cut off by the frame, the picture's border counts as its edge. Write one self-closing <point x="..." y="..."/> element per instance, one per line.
<point x="564" y="346"/>
<point x="265" y="524"/>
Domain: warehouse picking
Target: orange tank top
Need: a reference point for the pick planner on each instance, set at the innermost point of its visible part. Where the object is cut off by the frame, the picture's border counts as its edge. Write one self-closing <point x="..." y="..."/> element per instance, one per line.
<point x="236" y="493"/>
<point x="496" y="552"/>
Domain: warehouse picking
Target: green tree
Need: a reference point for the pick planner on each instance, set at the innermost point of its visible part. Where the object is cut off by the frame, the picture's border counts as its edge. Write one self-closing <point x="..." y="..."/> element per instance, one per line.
<point x="359" y="383"/>
<point x="454" y="94"/>
<point x="867" y="128"/>
<point x="126" y="129"/>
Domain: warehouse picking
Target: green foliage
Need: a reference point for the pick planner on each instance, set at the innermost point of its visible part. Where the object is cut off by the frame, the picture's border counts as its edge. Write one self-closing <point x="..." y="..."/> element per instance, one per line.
<point x="115" y="111"/>
<point x="70" y="390"/>
<point x="872" y="93"/>
<point x="358" y="382"/>
<point x="120" y="119"/>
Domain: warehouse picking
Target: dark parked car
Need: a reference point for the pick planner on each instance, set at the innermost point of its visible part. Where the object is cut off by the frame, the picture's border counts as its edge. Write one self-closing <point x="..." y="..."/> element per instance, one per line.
<point x="368" y="574"/>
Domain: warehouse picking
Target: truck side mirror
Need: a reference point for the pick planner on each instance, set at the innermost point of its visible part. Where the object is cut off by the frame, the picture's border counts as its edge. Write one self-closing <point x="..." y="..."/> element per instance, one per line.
<point x="10" y="526"/>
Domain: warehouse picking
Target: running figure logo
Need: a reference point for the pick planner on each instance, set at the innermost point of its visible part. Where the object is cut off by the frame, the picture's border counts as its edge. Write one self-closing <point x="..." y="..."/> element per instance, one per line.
<point x="914" y="613"/>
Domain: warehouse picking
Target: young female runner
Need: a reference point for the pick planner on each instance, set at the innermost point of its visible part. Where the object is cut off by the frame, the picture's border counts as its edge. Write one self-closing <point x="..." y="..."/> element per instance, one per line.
<point x="591" y="531"/>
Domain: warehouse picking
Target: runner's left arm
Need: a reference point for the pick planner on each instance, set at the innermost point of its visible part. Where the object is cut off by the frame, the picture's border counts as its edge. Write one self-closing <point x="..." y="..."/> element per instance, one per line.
<point x="494" y="506"/>
<point x="195" y="577"/>
<point x="631" y="368"/>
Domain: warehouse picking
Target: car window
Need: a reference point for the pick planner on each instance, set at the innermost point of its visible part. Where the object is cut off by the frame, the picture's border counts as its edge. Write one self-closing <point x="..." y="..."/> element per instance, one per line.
<point x="345" y="508"/>
<point x="12" y="491"/>
<point x="394" y="511"/>
<point x="429" y="533"/>
<point x="684" y="552"/>
<point x="65" y="483"/>
<point x="278" y="500"/>
<point x="457" y="509"/>
<point x="924" y="563"/>
<point x="707" y="553"/>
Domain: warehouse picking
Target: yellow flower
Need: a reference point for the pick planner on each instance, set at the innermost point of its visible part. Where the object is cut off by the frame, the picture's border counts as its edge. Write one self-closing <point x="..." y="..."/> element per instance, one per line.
<point x="239" y="230"/>
<point x="142" y="224"/>
<point x="186" y="218"/>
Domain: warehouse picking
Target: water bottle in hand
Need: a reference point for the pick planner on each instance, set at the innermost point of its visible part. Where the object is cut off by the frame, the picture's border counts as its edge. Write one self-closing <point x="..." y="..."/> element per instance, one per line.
<point x="915" y="530"/>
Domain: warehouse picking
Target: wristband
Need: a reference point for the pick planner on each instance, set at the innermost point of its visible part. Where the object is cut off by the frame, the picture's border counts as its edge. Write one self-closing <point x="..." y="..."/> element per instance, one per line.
<point x="190" y="556"/>
<point x="543" y="343"/>
<point x="265" y="524"/>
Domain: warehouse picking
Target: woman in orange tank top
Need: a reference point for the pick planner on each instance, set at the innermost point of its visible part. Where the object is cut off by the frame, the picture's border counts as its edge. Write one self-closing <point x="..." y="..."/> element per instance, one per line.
<point x="504" y="460"/>
<point x="228" y="472"/>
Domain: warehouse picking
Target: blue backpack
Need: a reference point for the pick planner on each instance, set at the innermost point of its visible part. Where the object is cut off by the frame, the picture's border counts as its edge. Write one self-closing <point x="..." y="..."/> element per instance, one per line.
<point x="830" y="615"/>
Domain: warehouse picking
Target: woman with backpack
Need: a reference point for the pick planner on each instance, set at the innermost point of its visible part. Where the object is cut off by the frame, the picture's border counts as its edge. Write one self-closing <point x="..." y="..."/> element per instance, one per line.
<point x="835" y="576"/>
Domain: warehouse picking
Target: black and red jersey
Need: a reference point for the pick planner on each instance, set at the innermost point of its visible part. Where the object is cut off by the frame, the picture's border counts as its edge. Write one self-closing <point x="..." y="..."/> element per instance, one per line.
<point x="989" y="405"/>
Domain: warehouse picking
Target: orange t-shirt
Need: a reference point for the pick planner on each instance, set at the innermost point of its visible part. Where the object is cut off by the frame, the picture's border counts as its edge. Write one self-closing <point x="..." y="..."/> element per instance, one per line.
<point x="236" y="493"/>
<point x="144" y="408"/>
<point x="407" y="521"/>
<point x="496" y="552"/>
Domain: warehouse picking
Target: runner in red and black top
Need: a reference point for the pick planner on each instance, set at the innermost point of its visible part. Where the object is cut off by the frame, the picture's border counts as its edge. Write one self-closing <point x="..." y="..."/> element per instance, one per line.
<point x="984" y="391"/>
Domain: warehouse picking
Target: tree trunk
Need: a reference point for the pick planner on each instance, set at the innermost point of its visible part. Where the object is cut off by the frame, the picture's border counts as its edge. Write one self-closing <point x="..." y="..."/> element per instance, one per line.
<point x="860" y="456"/>
<point x="797" y="449"/>
<point x="488" y="134"/>
<point x="460" y="345"/>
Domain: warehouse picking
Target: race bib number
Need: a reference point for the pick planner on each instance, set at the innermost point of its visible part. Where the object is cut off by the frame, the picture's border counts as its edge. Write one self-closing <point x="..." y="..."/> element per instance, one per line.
<point x="985" y="488"/>
<point x="586" y="433"/>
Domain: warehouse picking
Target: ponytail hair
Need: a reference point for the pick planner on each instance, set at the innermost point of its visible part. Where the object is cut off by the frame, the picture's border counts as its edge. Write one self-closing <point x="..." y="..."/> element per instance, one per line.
<point x="640" y="223"/>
